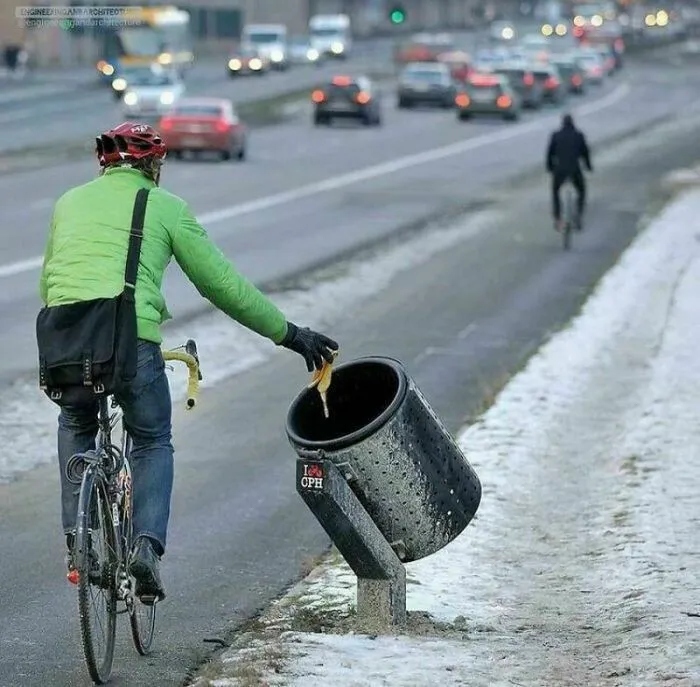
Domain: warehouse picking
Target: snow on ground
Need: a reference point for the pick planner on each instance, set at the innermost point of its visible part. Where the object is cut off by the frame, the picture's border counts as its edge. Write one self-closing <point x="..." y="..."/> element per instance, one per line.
<point x="28" y="418"/>
<point x="581" y="567"/>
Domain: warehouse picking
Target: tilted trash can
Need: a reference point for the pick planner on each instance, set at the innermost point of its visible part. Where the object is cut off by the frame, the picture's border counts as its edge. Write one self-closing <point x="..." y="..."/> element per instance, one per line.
<point x="410" y="475"/>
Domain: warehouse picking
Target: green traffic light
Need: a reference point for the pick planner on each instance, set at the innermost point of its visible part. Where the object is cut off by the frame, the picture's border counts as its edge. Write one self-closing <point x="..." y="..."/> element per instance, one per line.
<point x="397" y="16"/>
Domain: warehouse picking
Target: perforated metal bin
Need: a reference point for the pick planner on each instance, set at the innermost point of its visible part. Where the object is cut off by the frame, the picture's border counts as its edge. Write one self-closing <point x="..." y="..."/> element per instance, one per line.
<point x="411" y="476"/>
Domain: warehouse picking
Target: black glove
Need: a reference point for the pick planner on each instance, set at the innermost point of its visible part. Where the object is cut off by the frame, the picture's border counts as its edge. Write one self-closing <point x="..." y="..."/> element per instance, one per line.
<point x="314" y="347"/>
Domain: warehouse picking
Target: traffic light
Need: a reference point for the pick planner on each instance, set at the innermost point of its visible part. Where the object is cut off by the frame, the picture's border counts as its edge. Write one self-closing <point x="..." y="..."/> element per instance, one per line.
<point x="397" y="15"/>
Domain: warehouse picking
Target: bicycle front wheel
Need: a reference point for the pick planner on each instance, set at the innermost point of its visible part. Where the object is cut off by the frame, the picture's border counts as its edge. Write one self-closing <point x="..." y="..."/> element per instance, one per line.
<point x="143" y="624"/>
<point x="142" y="617"/>
<point x="96" y="561"/>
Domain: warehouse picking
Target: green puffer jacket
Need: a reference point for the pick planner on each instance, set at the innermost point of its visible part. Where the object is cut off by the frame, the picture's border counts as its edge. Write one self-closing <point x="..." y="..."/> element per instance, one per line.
<point x="86" y="255"/>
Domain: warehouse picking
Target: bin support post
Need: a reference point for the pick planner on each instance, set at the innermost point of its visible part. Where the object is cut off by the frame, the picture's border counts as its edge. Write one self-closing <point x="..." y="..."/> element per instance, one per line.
<point x="381" y="577"/>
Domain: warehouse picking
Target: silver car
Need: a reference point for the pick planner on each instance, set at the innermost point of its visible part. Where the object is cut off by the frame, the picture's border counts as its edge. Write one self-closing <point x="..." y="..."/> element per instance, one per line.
<point x="302" y="52"/>
<point x="426" y="83"/>
<point x="152" y="94"/>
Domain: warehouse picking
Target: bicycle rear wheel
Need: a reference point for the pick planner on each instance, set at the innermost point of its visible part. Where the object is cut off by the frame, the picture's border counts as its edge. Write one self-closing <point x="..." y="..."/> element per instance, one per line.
<point x="569" y="217"/>
<point x="96" y="562"/>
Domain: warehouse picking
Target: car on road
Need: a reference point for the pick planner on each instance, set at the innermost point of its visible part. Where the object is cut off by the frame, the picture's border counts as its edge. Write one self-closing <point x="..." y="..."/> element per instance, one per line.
<point x="523" y="82"/>
<point x="502" y="31"/>
<point x="127" y="75"/>
<point x="572" y="73"/>
<point x="152" y="94"/>
<point x="247" y="61"/>
<point x="553" y="88"/>
<point x="204" y="124"/>
<point x="592" y="65"/>
<point x="346" y="97"/>
<point x="488" y="94"/>
<point x="302" y="52"/>
<point x="426" y="83"/>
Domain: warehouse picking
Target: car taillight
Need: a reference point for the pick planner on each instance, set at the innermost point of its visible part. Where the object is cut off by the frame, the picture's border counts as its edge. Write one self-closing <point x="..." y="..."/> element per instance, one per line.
<point x="166" y="123"/>
<point x="528" y="79"/>
<point x="318" y="96"/>
<point x="576" y="80"/>
<point x="362" y="98"/>
<point x="222" y="126"/>
<point x="551" y="82"/>
<point x="462" y="100"/>
<point x="503" y="101"/>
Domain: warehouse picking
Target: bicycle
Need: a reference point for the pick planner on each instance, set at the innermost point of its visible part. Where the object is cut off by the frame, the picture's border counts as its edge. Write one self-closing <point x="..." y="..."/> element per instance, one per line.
<point x="104" y="511"/>
<point x="570" y="217"/>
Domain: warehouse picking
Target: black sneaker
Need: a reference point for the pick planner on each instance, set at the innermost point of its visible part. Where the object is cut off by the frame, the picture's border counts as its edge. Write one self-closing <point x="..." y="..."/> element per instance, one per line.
<point x="145" y="568"/>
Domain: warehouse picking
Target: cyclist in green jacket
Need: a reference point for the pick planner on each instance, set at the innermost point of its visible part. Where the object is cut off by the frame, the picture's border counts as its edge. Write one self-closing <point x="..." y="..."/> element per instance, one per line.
<point x="84" y="260"/>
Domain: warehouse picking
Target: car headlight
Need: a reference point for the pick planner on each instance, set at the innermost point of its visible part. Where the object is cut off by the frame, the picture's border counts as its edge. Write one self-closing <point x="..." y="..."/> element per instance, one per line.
<point x="234" y="65"/>
<point x="255" y="63"/>
<point x="276" y="55"/>
<point x="130" y="99"/>
<point x="165" y="58"/>
<point x="119" y="84"/>
<point x="507" y="33"/>
<point x="167" y="98"/>
<point x="312" y="54"/>
<point x="337" y="48"/>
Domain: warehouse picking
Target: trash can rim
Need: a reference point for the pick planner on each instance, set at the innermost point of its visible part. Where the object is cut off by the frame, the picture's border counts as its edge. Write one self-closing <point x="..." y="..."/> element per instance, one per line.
<point x="360" y="434"/>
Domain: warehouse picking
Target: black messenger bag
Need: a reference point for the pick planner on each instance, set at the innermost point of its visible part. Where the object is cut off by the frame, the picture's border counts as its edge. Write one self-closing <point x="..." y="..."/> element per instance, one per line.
<point x="89" y="349"/>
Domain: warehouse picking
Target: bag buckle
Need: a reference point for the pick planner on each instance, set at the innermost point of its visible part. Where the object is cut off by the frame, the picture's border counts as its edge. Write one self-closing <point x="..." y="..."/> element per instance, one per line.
<point x="87" y="369"/>
<point x="42" y="374"/>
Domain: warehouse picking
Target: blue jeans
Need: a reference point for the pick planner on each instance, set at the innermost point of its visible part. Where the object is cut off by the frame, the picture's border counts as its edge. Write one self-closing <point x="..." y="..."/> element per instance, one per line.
<point x="148" y="417"/>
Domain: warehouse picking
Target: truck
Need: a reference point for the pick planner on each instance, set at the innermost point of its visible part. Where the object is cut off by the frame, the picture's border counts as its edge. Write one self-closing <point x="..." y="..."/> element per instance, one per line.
<point x="331" y="35"/>
<point x="270" y="41"/>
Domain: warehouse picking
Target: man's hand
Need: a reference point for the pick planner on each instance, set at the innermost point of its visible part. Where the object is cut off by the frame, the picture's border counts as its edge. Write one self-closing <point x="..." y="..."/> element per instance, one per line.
<point x="312" y="346"/>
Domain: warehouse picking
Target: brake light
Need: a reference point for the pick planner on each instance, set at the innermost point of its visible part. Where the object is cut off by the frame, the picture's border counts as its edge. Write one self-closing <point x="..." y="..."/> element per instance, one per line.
<point x="341" y="81"/>
<point x="222" y="126"/>
<point x="318" y="96"/>
<point x="503" y="101"/>
<point x="551" y="82"/>
<point x="528" y="79"/>
<point x="576" y="80"/>
<point x="462" y="100"/>
<point x="484" y="80"/>
<point x="166" y="123"/>
<point x="363" y="98"/>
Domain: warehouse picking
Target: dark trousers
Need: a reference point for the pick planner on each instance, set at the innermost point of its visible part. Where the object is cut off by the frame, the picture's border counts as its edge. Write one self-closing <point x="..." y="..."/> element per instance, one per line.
<point x="147" y="414"/>
<point x="579" y="182"/>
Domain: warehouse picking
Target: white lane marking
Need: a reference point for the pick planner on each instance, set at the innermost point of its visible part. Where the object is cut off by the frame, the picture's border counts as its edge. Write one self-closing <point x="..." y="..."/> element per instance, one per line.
<point x="368" y="173"/>
<point x="21" y="266"/>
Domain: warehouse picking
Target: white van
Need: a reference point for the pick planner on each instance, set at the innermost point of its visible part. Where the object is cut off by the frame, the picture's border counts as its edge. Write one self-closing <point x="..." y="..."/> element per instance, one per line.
<point x="270" y="42"/>
<point x="330" y="34"/>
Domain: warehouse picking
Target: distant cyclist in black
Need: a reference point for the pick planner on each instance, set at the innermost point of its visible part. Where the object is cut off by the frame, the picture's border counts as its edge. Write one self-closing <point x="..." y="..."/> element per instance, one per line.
<point x="567" y="147"/>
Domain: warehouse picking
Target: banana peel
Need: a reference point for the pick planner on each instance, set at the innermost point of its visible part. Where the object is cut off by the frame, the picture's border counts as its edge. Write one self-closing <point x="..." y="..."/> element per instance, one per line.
<point x="321" y="379"/>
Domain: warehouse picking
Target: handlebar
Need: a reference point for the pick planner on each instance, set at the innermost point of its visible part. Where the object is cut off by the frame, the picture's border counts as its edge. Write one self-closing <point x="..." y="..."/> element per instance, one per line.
<point x="191" y="359"/>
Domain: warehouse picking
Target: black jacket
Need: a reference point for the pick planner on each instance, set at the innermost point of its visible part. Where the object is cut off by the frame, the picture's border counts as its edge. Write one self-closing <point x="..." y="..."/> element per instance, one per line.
<point x="566" y="147"/>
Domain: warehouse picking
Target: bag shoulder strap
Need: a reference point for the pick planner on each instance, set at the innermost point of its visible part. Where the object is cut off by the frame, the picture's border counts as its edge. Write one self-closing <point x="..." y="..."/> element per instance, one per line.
<point x="135" y="238"/>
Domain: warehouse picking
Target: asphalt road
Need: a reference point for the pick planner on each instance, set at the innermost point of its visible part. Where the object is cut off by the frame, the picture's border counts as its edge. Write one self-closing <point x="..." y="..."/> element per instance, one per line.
<point x="84" y="106"/>
<point x="239" y="532"/>
<point x="315" y="193"/>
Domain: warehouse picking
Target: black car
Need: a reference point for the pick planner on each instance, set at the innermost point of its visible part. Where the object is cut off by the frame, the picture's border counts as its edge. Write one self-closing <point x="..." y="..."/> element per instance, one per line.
<point x="523" y="81"/>
<point x="426" y="83"/>
<point x="347" y="98"/>
<point x="572" y="74"/>
<point x="550" y="79"/>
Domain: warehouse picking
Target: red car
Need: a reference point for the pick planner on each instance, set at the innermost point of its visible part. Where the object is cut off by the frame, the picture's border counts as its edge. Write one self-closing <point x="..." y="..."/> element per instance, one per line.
<point x="197" y="124"/>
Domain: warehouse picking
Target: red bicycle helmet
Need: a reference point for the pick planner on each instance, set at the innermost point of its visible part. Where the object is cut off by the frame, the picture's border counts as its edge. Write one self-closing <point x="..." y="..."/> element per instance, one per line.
<point x="129" y="141"/>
